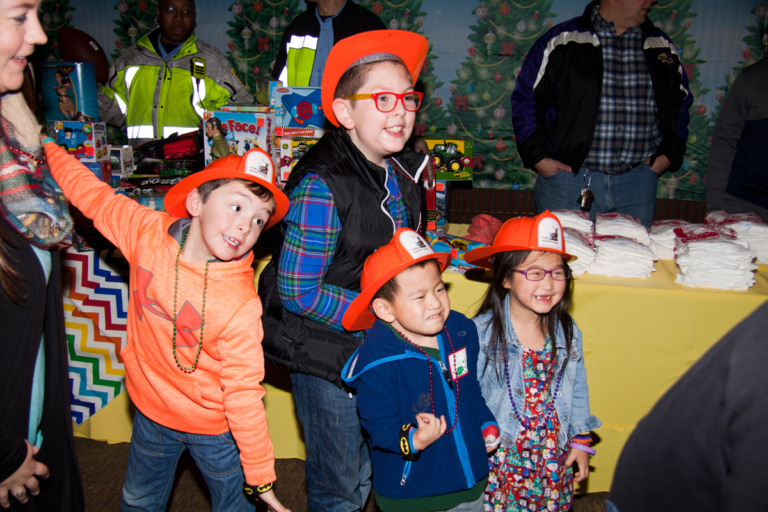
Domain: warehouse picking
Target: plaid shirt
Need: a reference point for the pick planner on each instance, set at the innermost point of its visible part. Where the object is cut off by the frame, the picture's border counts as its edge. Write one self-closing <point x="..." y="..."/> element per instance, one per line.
<point x="627" y="131"/>
<point x="313" y="227"/>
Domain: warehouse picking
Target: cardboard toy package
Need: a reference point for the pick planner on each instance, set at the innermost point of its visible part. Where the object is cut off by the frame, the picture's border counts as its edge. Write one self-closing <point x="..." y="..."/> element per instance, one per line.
<point x="85" y="141"/>
<point x="291" y="150"/>
<point x="243" y="131"/>
<point x="453" y="158"/>
<point x="456" y="246"/>
<point x="299" y="112"/>
<point x="69" y="91"/>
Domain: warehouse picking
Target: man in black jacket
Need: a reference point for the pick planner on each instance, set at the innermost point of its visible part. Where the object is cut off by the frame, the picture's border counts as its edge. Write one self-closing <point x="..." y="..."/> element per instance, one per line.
<point x="311" y="35"/>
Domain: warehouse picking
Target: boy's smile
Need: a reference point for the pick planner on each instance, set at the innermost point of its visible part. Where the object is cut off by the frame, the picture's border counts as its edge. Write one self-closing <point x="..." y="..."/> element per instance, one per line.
<point x="227" y="225"/>
<point x="380" y="134"/>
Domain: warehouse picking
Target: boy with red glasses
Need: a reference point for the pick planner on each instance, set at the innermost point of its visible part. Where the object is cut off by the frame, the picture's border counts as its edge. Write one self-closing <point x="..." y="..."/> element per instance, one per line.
<point x="348" y="195"/>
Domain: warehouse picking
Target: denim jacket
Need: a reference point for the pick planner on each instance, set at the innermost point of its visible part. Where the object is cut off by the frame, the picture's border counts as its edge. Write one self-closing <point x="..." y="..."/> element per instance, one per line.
<point x="571" y="402"/>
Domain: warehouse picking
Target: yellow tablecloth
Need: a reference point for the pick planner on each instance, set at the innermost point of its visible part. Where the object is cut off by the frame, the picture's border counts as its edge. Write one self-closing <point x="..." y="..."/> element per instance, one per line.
<point x="640" y="336"/>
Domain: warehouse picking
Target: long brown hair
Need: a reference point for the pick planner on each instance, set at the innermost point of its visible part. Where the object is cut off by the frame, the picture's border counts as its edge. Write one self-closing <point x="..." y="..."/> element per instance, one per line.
<point x="10" y="276"/>
<point x="504" y="265"/>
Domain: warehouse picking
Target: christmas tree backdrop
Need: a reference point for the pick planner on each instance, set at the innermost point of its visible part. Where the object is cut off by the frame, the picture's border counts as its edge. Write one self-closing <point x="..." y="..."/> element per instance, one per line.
<point x="53" y="14"/>
<point x="256" y="30"/>
<point x="431" y="120"/>
<point x="501" y="35"/>
<point x="135" y="18"/>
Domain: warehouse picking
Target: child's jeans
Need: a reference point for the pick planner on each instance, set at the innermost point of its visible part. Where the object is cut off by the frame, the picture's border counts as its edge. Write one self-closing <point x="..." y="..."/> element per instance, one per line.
<point x="152" y="459"/>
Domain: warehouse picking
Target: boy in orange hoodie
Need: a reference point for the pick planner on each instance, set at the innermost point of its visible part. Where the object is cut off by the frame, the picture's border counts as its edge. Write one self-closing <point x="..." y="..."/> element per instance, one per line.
<point x="193" y="359"/>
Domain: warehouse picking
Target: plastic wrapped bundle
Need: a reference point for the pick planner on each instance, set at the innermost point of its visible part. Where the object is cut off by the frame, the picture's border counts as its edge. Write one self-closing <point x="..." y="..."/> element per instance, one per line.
<point x="619" y="256"/>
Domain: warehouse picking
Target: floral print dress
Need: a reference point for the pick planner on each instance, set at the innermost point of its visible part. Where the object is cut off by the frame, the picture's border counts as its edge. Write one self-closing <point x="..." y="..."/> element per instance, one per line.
<point x="531" y="475"/>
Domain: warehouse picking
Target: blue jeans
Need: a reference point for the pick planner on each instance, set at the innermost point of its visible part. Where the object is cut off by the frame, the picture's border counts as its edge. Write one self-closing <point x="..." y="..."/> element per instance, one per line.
<point x="610" y="507"/>
<point x="632" y="193"/>
<point x="152" y="460"/>
<point x="338" y="465"/>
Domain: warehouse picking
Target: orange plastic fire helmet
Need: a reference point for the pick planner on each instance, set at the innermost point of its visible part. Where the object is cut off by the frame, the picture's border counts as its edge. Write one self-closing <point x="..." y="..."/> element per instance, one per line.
<point x="255" y="165"/>
<point x="541" y="233"/>
<point x="406" y="248"/>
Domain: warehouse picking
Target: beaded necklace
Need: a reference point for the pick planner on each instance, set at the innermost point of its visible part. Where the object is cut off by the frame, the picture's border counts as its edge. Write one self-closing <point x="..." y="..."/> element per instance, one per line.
<point x="202" y="314"/>
<point x="550" y="410"/>
<point x="429" y="365"/>
<point x="21" y="152"/>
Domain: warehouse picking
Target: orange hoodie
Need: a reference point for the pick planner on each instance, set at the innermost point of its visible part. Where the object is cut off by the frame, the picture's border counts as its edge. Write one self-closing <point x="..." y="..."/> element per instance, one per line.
<point x="224" y="393"/>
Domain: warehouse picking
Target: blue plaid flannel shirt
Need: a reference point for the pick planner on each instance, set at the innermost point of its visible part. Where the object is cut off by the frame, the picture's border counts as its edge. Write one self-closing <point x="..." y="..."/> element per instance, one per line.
<point x="313" y="227"/>
<point x="627" y="132"/>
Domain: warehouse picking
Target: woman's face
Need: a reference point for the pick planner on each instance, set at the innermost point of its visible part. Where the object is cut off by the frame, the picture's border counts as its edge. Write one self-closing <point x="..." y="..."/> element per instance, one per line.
<point x="20" y="31"/>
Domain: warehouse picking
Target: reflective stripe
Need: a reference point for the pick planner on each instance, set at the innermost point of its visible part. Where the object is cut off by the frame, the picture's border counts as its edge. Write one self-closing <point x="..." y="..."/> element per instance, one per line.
<point x="298" y="42"/>
<point x="198" y="90"/>
<point x="141" y="132"/>
<point x="181" y="130"/>
<point x="300" y="57"/>
<point x="130" y="73"/>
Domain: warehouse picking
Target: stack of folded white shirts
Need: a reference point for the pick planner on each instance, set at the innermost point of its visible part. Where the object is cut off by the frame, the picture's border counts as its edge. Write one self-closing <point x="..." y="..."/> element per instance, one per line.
<point x="748" y="227"/>
<point x="582" y="245"/>
<point x="712" y="257"/>
<point x="618" y="224"/>
<point x="662" y="235"/>
<point x="619" y="256"/>
<point x="575" y="219"/>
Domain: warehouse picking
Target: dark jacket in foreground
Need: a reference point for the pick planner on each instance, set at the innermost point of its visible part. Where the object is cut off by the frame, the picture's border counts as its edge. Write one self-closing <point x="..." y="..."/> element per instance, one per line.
<point x="359" y="190"/>
<point x="703" y="446"/>
<point x="556" y="101"/>
<point x="392" y="382"/>
<point x="22" y="327"/>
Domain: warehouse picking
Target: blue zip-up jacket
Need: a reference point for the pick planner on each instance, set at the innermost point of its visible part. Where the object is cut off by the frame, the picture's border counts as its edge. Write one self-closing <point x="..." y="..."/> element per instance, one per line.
<point x="571" y="402"/>
<point x="556" y="101"/>
<point x="392" y="382"/>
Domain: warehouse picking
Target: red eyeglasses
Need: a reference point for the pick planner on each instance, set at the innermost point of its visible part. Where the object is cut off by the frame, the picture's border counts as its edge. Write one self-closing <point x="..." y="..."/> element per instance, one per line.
<point x="387" y="101"/>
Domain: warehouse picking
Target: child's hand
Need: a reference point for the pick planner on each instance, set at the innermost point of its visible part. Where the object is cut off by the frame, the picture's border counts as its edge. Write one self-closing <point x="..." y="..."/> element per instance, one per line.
<point x="491" y="437"/>
<point x="271" y="500"/>
<point x="582" y="463"/>
<point x="428" y="431"/>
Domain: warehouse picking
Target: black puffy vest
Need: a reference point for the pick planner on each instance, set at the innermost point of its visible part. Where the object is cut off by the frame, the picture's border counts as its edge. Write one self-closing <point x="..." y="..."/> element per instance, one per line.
<point x="359" y="189"/>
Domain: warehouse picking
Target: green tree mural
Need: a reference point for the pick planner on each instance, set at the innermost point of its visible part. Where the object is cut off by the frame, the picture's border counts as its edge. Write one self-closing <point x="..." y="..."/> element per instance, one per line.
<point x="503" y="32"/>
<point x="136" y="18"/>
<point x="675" y="18"/>
<point x="431" y="120"/>
<point x="255" y="33"/>
<point x="54" y="14"/>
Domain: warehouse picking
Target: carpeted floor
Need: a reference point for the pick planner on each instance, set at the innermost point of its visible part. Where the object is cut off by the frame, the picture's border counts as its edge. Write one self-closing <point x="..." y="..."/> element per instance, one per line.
<point x="103" y="468"/>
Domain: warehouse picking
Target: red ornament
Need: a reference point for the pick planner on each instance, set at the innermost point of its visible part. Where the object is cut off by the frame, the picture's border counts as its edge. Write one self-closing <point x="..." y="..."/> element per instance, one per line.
<point x="377" y="8"/>
<point x="490" y="134"/>
<point x="701" y="110"/>
<point x="762" y="11"/>
<point x="258" y="6"/>
<point x="687" y="23"/>
<point x="256" y="70"/>
<point x="500" y="146"/>
<point x="438" y="101"/>
<point x="231" y="46"/>
<point x="237" y="9"/>
<point x="481" y="11"/>
<point x="497" y="77"/>
<point x="472" y="50"/>
<point x="285" y="12"/>
<point x="407" y="13"/>
<point x="118" y="43"/>
<point x="143" y="6"/>
<point x="504" y="9"/>
<point x="746" y="54"/>
<point x="535" y="15"/>
<point x="419" y="22"/>
<point x="55" y="45"/>
<point x="673" y="15"/>
<point x="122" y="7"/>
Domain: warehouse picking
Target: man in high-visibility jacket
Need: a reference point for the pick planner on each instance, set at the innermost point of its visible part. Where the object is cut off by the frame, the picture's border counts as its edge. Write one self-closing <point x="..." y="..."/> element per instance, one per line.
<point x="162" y="85"/>
<point x="311" y="35"/>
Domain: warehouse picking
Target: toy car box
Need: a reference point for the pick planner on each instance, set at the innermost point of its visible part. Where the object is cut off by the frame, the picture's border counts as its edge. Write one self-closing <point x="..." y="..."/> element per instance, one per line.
<point x="291" y="150"/>
<point x="85" y="141"/>
<point x="244" y="130"/>
<point x="299" y="112"/>
<point x="456" y="246"/>
<point x="69" y="91"/>
<point x="452" y="159"/>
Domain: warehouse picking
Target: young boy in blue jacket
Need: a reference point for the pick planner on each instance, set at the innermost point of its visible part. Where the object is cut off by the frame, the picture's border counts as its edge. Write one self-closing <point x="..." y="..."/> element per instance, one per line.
<point x="417" y="390"/>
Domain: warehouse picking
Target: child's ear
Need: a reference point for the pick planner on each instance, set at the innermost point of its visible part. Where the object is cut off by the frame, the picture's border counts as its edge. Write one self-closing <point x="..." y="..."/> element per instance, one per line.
<point x="193" y="203"/>
<point x="382" y="310"/>
<point x="341" y="109"/>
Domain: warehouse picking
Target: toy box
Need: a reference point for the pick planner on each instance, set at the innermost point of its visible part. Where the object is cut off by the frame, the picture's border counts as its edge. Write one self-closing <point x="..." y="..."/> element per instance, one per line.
<point x="121" y="158"/>
<point x="436" y="206"/>
<point x="69" y="91"/>
<point x="452" y="158"/>
<point x="299" y="112"/>
<point x="85" y="141"/>
<point x="457" y="246"/>
<point x="291" y="150"/>
<point x="244" y="130"/>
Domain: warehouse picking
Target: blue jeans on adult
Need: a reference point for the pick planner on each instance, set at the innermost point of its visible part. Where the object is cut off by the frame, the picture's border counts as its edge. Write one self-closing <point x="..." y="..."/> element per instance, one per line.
<point x="338" y="465"/>
<point x="152" y="460"/>
<point x="632" y="193"/>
